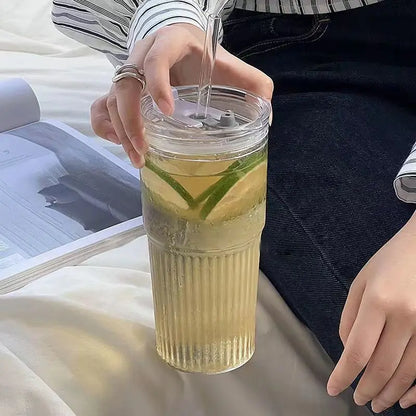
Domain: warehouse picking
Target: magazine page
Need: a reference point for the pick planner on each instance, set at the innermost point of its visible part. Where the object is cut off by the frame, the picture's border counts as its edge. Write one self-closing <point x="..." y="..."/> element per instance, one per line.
<point x="59" y="193"/>
<point x="18" y="104"/>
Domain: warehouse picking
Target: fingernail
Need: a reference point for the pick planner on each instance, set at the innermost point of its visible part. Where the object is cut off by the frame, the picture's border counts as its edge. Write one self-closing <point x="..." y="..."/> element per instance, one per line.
<point x="359" y="400"/>
<point x="332" y="391"/>
<point x="113" y="139"/>
<point x="164" y="107"/>
<point x="376" y="406"/>
<point x="404" y="404"/>
<point x="142" y="161"/>
<point x="136" y="159"/>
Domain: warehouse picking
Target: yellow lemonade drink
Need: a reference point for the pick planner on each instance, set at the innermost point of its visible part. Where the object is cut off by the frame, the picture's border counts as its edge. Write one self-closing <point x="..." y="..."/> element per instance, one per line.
<point x="204" y="213"/>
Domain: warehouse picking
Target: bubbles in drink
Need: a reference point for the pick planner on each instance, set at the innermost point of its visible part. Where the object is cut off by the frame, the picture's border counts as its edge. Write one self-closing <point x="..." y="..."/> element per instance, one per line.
<point x="204" y="189"/>
<point x="204" y="222"/>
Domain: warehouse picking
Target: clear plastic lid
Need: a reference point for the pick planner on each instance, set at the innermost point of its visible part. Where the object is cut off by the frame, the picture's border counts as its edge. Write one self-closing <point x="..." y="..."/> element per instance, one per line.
<point x="237" y="122"/>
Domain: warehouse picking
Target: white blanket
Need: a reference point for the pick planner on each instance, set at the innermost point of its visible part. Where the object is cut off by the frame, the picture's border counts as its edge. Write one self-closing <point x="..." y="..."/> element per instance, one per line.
<point x="81" y="341"/>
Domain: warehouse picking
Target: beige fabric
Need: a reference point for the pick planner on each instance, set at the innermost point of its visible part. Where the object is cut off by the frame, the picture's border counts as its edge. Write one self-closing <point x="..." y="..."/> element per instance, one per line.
<point x="81" y="341"/>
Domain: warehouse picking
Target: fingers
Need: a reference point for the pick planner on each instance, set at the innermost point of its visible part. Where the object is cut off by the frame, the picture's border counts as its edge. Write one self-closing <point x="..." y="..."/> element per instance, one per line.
<point x="384" y="361"/>
<point x="350" y="310"/>
<point x="137" y="159"/>
<point x="128" y="93"/>
<point x="163" y="55"/>
<point x="119" y="113"/>
<point x="401" y="381"/>
<point x="230" y="70"/>
<point x="156" y="55"/>
<point x="359" y="347"/>
<point x="101" y="122"/>
<point x="409" y="399"/>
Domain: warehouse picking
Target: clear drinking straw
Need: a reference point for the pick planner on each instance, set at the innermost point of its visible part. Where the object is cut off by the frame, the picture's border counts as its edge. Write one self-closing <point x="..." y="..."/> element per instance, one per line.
<point x="207" y="65"/>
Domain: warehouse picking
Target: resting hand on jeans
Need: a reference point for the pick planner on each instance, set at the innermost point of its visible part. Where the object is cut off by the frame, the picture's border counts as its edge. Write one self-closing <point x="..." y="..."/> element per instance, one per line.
<point x="116" y="116"/>
<point x="378" y="327"/>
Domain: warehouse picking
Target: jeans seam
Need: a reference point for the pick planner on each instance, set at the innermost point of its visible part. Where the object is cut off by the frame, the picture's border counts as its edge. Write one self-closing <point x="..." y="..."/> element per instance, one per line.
<point x="271" y="26"/>
<point x="311" y="239"/>
<point x="286" y="40"/>
<point x="301" y="39"/>
<point x="241" y="20"/>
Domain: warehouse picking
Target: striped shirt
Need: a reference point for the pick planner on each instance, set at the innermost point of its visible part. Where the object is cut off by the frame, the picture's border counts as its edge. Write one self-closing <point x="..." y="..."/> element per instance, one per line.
<point x="113" y="27"/>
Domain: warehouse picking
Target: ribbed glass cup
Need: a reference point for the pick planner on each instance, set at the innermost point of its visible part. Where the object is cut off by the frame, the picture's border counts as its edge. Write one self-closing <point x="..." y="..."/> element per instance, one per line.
<point x="205" y="307"/>
<point x="204" y="210"/>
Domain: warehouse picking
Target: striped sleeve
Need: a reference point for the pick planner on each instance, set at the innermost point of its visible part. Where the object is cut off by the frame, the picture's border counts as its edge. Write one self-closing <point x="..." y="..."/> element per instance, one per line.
<point x="405" y="182"/>
<point x="103" y="25"/>
<point x="114" y="26"/>
<point x="151" y="15"/>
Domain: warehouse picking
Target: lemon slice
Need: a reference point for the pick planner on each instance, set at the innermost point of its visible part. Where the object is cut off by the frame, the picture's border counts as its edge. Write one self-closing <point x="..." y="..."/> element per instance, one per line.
<point x="238" y="193"/>
<point x="165" y="188"/>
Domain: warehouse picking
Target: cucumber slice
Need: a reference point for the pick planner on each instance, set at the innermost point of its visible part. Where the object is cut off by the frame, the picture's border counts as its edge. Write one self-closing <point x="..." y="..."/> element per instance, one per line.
<point x="245" y="165"/>
<point x="236" y="192"/>
<point x="173" y="183"/>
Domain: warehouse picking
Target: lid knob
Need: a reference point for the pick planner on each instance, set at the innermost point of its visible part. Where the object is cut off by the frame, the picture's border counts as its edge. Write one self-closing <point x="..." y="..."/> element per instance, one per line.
<point x="227" y="119"/>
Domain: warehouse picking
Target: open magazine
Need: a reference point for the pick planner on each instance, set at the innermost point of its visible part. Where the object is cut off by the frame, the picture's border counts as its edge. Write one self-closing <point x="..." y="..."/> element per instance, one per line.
<point x="62" y="197"/>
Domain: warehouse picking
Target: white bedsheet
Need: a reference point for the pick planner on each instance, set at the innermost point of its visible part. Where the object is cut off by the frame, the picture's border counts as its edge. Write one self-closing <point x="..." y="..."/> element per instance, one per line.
<point x="65" y="75"/>
<point x="81" y="341"/>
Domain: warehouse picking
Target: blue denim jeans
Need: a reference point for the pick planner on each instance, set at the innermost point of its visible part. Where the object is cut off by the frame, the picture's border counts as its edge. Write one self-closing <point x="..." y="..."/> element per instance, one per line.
<point x="344" y="121"/>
